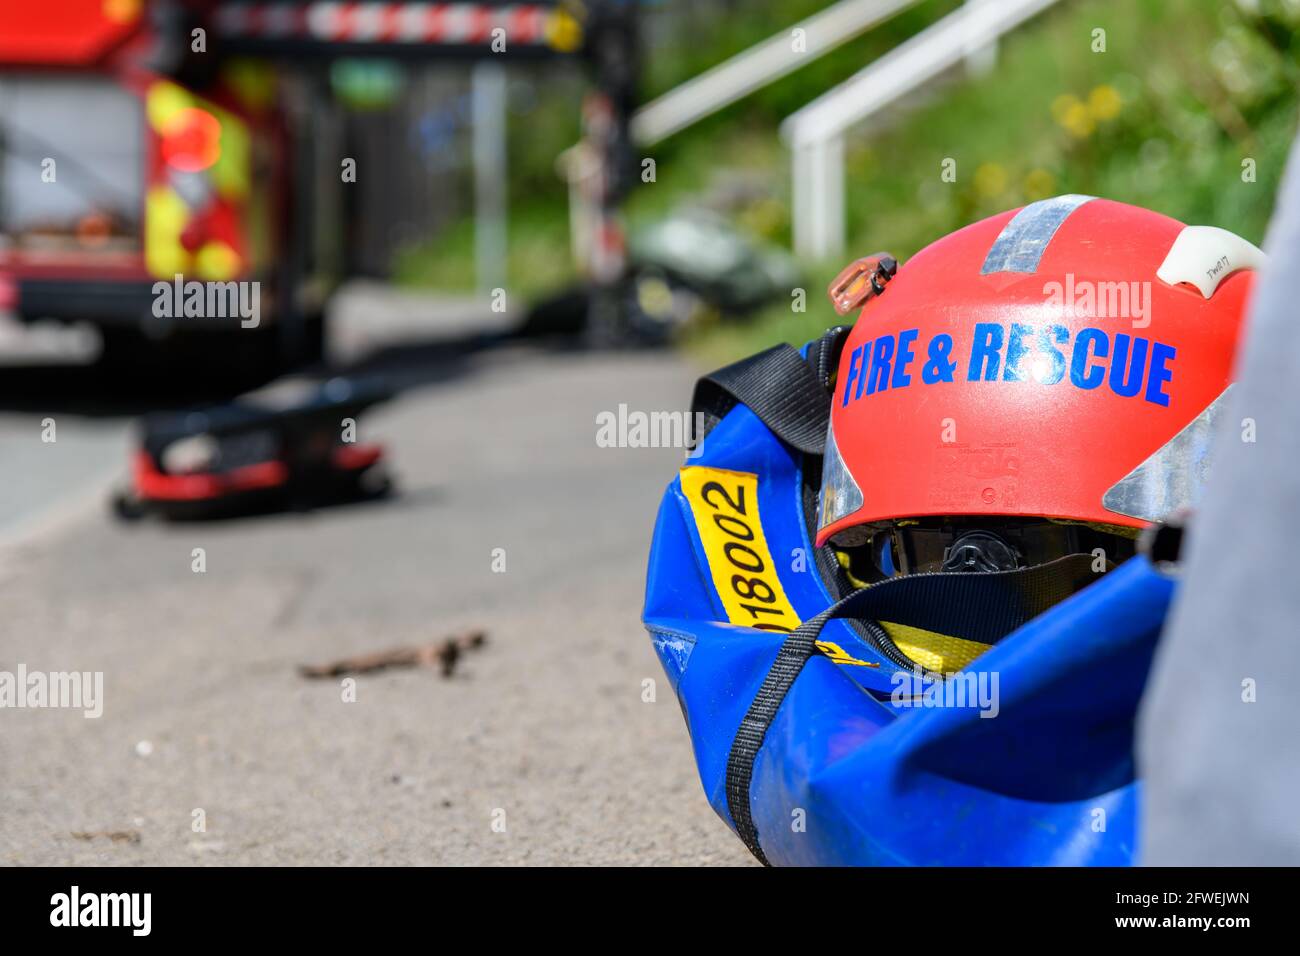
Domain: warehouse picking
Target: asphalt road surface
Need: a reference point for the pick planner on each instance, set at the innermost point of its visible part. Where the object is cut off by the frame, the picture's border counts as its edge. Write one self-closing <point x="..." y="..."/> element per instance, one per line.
<point x="211" y="749"/>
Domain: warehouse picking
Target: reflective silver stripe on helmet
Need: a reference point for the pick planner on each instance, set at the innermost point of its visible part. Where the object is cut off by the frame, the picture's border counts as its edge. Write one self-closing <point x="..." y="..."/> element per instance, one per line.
<point x="1173" y="477"/>
<point x="1023" y="240"/>
<point x="840" y="495"/>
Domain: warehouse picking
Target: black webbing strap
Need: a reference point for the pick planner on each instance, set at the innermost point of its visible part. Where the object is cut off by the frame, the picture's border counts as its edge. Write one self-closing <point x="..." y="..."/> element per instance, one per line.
<point x="983" y="607"/>
<point x="780" y="388"/>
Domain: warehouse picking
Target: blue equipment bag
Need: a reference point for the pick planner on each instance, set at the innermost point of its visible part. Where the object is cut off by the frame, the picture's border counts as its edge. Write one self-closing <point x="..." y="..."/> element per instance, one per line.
<point x="818" y="747"/>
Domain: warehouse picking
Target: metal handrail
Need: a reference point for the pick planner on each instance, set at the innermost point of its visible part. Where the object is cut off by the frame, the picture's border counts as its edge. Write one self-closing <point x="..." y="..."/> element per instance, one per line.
<point x="758" y="66"/>
<point x="815" y="132"/>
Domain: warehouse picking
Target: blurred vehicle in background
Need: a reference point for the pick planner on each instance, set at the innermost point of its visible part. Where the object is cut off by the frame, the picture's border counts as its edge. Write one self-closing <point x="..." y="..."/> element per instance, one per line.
<point x="703" y="252"/>
<point x="683" y="269"/>
<point x="118" y="172"/>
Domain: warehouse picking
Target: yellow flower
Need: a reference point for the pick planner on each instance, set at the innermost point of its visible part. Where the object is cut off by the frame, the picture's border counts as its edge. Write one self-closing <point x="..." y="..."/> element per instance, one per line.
<point x="990" y="179"/>
<point x="1104" y="103"/>
<point x="1039" y="184"/>
<point x="1077" y="121"/>
<point x="1062" y="105"/>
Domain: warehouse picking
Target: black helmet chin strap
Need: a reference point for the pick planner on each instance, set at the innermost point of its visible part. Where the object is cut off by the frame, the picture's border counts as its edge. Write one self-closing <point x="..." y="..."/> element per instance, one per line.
<point x="975" y="607"/>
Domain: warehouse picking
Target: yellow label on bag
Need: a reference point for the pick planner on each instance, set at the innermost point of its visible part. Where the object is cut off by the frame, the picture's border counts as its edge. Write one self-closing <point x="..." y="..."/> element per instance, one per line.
<point x="725" y="506"/>
<point x="839" y="655"/>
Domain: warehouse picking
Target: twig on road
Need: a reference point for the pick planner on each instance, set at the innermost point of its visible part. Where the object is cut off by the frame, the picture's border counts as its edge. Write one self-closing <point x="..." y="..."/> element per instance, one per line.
<point x="444" y="654"/>
<point x="117" y="836"/>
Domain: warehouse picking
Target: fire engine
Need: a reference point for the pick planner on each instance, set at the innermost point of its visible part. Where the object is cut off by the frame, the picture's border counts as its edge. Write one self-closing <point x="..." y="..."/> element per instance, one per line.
<point x="150" y="143"/>
<point x="124" y="165"/>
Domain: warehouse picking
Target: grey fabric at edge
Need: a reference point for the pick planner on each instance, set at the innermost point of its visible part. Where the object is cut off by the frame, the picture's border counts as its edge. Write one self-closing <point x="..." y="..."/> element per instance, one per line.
<point x="1219" y="729"/>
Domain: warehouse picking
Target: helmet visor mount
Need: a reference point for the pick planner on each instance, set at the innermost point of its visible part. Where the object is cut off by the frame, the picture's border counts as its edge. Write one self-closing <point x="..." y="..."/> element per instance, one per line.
<point x="1173" y="478"/>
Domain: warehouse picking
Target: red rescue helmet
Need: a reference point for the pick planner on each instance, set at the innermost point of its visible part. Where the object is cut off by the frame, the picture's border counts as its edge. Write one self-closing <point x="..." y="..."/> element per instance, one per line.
<point x="1063" y="362"/>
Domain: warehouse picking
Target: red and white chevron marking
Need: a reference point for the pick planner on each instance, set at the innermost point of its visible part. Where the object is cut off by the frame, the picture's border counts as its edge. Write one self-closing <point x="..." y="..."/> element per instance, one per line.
<point x="354" y="22"/>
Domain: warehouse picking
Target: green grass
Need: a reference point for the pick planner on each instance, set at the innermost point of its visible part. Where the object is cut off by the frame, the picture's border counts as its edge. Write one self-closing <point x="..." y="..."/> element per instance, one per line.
<point x="538" y="259"/>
